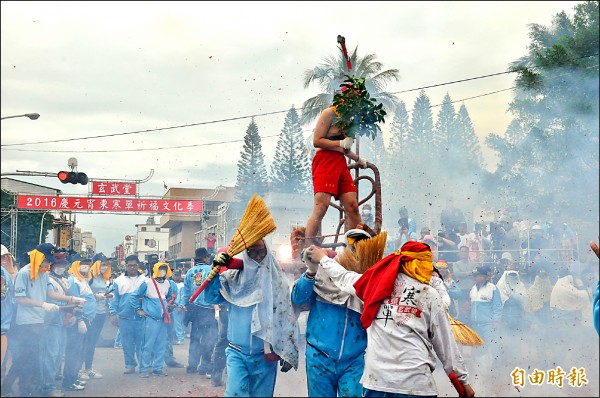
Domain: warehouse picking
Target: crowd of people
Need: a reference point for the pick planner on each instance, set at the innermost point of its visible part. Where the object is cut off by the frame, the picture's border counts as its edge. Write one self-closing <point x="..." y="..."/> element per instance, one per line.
<point x="375" y="333"/>
<point x="521" y="286"/>
<point x="245" y="322"/>
<point x="53" y="310"/>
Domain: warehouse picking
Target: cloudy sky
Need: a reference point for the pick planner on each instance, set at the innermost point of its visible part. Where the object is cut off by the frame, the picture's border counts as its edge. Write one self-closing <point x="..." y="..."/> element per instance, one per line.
<point x="97" y="70"/>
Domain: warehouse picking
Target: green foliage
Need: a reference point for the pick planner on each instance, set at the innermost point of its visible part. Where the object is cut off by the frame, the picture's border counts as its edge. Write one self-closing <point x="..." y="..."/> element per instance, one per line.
<point x="549" y="153"/>
<point x="290" y="171"/>
<point x="527" y="78"/>
<point x="421" y="125"/>
<point x="400" y="130"/>
<point x="252" y="174"/>
<point x="445" y="127"/>
<point x="358" y="112"/>
<point x="330" y="74"/>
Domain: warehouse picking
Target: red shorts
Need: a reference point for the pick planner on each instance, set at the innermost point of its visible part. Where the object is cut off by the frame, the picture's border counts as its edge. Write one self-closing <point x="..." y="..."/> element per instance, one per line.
<point x="330" y="173"/>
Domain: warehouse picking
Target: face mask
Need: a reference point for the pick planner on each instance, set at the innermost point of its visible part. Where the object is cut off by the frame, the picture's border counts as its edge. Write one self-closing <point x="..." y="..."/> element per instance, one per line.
<point x="45" y="266"/>
<point x="83" y="269"/>
<point x="59" y="270"/>
<point x="103" y="268"/>
<point x="162" y="273"/>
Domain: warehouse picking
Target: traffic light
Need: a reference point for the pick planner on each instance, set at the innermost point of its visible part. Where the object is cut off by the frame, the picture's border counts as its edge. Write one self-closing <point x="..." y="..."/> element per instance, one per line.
<point x="72" y="177"/>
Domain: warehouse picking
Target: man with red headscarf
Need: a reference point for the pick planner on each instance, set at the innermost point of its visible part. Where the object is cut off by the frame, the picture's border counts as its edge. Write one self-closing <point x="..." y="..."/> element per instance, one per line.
<point x="405" y="319"/>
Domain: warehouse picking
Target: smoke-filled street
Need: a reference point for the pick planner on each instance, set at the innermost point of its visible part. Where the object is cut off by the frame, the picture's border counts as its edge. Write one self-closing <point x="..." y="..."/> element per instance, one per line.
<point x="290" y="199"/>
<point x="293" y="383"/>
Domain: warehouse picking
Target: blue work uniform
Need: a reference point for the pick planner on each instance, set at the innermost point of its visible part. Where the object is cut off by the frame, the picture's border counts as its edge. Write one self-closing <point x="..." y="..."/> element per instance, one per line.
<point x="130" y="324"/>
<point x="335" y="344"/>
<point x="155" y="330"/>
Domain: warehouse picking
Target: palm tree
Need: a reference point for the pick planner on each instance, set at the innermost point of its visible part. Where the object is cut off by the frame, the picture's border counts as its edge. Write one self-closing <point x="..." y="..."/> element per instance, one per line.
<point x="330" y="74"/>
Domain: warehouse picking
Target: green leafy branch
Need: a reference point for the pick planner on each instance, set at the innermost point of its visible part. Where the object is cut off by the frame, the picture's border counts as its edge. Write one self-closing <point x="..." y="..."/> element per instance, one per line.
<point x="358" y="112"/>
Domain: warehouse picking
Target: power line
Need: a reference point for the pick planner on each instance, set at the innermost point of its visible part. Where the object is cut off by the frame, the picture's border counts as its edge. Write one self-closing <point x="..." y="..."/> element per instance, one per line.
<point x="215" y="121"/>
<point x="255" y="115"/>
<point x="453" y="82"/>
<point x="149" y="130"/>
<point x="478" y="77"/>
<point x="216" y="143"/>
<point x="141" y="149"/>
<point x="477" y="96"/>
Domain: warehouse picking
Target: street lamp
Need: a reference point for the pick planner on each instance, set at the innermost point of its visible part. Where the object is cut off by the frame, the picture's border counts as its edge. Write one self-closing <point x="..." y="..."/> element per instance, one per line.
<point x="32" y="116"/>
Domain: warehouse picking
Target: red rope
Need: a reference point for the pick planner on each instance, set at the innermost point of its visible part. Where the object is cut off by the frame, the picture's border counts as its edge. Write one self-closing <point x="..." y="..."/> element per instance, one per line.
<point x="243" y="240"/>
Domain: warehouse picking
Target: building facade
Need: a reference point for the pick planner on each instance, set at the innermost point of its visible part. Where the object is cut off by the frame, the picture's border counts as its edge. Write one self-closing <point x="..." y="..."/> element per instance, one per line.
<point x="182" y="228"/>
<point x="151" y="239"/>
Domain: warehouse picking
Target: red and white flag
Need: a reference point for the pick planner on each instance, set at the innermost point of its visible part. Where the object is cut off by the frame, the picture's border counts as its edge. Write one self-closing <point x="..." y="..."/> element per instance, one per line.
<point x="165" y="186"/>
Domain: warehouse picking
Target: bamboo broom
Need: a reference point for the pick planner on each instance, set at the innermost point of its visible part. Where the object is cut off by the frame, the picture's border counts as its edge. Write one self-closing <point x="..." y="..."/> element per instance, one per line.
<point x="255" y="224"/>
<point x="366" y="253"/>
<point x="464" y="334"/>
<point x="370" y="251"/>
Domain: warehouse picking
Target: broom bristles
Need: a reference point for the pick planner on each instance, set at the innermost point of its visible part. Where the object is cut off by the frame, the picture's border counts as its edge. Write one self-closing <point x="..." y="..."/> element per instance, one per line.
<point x="365" y="254"/>
<point x="464" y="334"/>
<point x="370" y="251"/>
<point x="255" y="224"/>
<point x="348" y="260"/>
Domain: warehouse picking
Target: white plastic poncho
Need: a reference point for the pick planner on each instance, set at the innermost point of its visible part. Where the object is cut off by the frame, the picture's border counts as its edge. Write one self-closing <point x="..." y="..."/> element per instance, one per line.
<point x="510" y="285"/>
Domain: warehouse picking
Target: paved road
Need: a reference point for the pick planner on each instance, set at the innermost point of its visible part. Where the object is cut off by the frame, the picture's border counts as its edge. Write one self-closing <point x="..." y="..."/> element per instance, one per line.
<point x="293" y="383"/>
<point x="109" y="362"/>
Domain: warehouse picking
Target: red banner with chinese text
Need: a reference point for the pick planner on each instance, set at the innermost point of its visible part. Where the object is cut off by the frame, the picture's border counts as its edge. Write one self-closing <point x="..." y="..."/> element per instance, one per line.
<point x="108" y="204"/>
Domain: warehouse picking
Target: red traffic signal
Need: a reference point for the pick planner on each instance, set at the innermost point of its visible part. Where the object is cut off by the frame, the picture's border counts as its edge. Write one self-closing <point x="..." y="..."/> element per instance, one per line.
<point x="71" y="177"/>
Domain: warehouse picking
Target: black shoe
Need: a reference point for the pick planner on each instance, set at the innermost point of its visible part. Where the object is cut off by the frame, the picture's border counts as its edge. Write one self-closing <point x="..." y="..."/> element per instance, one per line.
<point x="191" y="371"/>
<point x="174" y="364"/>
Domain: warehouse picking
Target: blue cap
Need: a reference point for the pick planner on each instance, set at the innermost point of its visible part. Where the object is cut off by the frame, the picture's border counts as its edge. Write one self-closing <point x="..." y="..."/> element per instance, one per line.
<point x="80" y="258"/>
<point x="99" y="257"/>
<point x="47" y="249"/>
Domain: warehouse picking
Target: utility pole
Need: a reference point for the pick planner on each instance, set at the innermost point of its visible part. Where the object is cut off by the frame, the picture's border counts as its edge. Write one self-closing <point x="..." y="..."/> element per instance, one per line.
<point x="14" y="218"/>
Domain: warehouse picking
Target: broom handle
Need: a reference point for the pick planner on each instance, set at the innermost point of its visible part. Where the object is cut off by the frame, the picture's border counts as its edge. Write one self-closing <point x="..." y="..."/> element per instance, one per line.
<point x="457" y="385"/>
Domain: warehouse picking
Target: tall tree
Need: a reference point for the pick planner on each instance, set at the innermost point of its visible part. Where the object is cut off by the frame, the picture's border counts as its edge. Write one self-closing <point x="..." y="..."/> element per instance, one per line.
<point x="557" y="103"/>
<point x="515" y="134"/>
<point x="330" y="74"/>
<point x="290" y="171"/>
<point x="252" y="173"/>
<point x="400" y="132"/>
<point x="466" y="139"/>
<point x="421" y="126"/>
<point x="398" y="147"/>
<point x="444" y="132"/>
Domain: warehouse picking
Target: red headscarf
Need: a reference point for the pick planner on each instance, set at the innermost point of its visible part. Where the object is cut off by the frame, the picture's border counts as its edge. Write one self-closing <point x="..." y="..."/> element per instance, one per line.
<point x="377" y="283"/>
